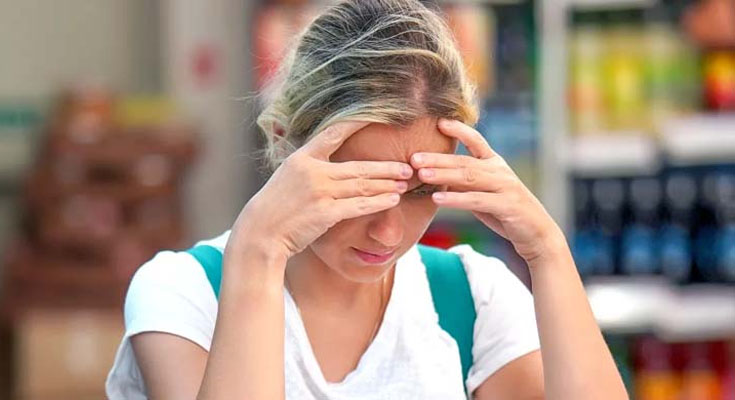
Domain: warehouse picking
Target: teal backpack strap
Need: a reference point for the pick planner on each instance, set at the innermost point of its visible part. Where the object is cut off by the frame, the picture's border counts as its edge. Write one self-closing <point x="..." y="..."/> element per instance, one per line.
<point x="452" y="297"/>
<point x="211" y="260"/>
<point x="450" y="291"/>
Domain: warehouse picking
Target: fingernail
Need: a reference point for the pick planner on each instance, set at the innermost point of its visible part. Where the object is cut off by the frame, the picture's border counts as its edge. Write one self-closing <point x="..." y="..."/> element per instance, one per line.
<point x="427" y="173"/>
<point x="417" y="158"/>
<point x="439" y="196"/>
<point x="445" y="122"/>
<point x="406" y="171"/>
<point x="395" y="198"/>
<point x="402" y="185"/>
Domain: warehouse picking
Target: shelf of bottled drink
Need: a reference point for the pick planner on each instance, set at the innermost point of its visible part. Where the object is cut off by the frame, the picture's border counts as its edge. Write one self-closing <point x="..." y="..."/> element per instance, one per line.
<point x="638" y="164"/>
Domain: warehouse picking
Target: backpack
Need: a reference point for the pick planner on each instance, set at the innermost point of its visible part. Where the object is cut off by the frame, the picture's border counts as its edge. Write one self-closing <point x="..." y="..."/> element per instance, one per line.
<point x="450" y="292"/>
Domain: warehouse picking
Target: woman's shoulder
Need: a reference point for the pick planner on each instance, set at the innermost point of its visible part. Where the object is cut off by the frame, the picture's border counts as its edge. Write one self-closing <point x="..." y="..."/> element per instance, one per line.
<point x="170" y="292"/>
<point x="484" y="272"/>
<point x="502" y="301"/>
<point x="166" y="270"/>
<point x="175" y="269"/>
<point x="505" y="328"/>
<point x="495" y="289"/>
<point x="471" y="257"/>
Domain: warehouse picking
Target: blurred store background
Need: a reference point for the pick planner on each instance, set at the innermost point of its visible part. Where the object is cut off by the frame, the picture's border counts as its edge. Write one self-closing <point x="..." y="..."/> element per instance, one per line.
<point x="127" y="127"/>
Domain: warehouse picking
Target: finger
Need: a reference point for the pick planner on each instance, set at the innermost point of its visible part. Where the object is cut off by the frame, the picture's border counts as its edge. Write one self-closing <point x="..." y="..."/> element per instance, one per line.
<point x="366" y="187"/>
<point x="358" y="206"/>
<point x="463" y="179"/>
<point x="442" y="160"/>
<point x="472" y="139"/>
<point x="370" y="170"/>
<point x="331" y="138"/>
<point x="491" y="203"/>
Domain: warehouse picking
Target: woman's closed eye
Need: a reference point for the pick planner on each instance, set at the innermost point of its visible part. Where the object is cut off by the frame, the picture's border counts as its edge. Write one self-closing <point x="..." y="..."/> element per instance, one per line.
<point x="424" y="190"/>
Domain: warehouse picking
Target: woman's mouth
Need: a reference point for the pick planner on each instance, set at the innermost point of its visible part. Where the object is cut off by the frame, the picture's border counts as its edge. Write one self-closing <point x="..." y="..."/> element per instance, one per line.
<point x="373" y="258"/>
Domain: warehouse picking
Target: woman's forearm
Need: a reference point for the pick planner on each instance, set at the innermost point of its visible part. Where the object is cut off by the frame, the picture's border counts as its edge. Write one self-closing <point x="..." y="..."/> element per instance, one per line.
<point x="577" y="362"/>
<point x="246" y="357"/>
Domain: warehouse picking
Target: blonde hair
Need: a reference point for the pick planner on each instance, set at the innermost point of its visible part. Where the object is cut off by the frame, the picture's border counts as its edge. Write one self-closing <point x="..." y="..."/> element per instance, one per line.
<point x="384" y="61"/>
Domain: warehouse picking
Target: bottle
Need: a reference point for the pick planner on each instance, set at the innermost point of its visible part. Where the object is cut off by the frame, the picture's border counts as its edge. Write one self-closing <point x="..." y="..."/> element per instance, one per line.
<point x="705" y="254"/>
<point x="607" y="204"/>
<point x="728" y="377"/>
<point x="656" y="378"/>
<point x="670" y="68"/>
<point x="719" y="79"/>
<point x="624" y="73"/>
<point x="586" y="101"/>
<point x="715" y="259"/>
<point x="592" y="248"/>
<point x="725" y="235"/>
<point x="638" y="244"/>
<point x="675" y="248"/>
<point x="699" y="379"/>
<point x="581" y="242"/>
<point x="471" y="25"/>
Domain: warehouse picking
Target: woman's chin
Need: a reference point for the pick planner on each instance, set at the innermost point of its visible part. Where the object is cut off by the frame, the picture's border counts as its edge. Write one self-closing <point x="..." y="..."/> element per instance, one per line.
<point x="364" y="273"/>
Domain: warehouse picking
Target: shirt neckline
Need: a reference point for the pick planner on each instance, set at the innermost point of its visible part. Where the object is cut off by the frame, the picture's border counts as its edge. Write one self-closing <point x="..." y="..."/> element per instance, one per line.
<point x="370" y="356"/>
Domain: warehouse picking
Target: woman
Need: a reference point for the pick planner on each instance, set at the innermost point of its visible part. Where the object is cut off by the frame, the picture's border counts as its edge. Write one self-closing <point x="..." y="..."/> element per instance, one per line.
<point x="324" y="294"/>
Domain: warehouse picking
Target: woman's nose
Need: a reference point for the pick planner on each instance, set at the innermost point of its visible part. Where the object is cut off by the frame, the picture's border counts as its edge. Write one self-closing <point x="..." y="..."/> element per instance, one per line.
<point x="386" y="227"/>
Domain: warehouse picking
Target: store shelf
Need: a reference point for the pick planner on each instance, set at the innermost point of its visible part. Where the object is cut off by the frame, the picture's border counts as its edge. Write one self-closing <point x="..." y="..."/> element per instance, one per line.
<point x="698" y="140"/>
<point x="613" y="155"/>
<point x="625" y="305"/>
<point x="688" y="313"/>
<point x="701" y="139"/>
<point x="698" y="313"/>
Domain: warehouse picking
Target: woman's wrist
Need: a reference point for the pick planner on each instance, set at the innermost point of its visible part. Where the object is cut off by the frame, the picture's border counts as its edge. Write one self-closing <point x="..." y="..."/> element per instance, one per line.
<point x="253" y="265"/>
<point x="554" y="251"/>
<point x="264" y="250"/>
<point x="248" y="238"/>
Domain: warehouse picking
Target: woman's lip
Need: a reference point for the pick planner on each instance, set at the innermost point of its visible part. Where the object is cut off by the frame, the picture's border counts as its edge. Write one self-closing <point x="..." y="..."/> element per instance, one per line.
<point x="372" y="258"/>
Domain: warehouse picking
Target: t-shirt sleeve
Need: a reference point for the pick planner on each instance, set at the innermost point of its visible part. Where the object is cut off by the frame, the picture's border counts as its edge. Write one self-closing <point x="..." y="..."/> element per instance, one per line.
<point x="505" y="328"/>
<point x="170" y="294"/>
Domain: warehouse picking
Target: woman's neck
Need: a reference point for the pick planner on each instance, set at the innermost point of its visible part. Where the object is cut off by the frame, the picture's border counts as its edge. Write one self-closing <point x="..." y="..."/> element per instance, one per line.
<point x="314" y="284"/>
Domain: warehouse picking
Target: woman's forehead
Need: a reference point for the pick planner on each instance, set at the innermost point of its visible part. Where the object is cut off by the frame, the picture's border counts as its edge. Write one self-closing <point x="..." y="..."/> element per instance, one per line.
<point x="382" y="142"/>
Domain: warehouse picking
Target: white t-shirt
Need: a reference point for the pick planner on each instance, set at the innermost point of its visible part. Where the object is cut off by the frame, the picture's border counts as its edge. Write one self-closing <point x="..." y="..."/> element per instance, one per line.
<point x="411" y="357"/>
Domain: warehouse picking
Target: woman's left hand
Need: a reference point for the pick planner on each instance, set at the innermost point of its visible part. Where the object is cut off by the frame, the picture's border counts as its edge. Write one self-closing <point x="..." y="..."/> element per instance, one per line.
<point x="485" y="185"/>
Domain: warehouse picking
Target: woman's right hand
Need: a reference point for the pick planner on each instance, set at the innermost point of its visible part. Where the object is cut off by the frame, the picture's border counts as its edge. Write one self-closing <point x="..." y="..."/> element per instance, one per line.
<point x="308" y="194"/>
